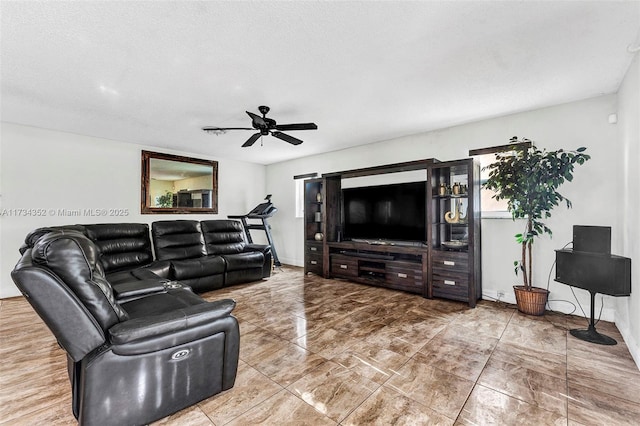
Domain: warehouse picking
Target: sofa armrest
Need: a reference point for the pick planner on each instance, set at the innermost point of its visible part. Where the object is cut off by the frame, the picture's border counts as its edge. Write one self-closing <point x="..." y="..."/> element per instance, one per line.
<point x="263" y="248"/>
<point x="133" y="289"/>
<point x="170" y="322"/>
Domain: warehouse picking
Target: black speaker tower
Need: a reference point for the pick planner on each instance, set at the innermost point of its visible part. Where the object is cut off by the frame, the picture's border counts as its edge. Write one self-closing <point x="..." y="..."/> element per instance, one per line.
<point x="590" y="266"/>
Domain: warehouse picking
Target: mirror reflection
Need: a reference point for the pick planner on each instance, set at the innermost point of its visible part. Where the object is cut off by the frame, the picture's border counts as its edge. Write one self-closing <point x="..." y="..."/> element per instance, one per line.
<point x="173" y="184"/>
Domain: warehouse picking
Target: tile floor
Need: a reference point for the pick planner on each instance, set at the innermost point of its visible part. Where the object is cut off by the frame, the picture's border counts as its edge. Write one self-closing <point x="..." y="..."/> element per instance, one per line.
<point x="326" y="352"/>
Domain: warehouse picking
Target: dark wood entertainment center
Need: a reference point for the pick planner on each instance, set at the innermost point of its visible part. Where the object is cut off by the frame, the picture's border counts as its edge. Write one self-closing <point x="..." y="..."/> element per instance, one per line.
<point x="445" y="265"/>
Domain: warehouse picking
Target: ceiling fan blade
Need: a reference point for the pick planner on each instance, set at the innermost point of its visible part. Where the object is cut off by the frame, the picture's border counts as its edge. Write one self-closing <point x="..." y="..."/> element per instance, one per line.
<point x="286" y="138"/>
<point x="297" y="126"/>
<point x="257" y="120"/>
<point x="214" y="129"/>
<point x="251" y="140"/>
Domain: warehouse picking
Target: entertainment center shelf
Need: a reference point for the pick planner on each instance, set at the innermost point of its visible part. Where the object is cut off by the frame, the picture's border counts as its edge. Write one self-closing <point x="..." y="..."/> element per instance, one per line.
<point x="425" y="236"/>
<point x="391" y="266"/>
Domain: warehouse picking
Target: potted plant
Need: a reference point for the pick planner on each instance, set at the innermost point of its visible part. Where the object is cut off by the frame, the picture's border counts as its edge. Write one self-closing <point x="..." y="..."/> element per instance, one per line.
<point x="528" y="179"/>
<point x="165" y="200"/>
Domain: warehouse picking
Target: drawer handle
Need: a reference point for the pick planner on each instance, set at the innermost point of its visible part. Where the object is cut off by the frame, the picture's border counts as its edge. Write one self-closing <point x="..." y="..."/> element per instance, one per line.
<point x="343" y="267"/>
<point x="449" y="282"/>
<point x="314" y="262"/>
<point x="449" y="263"/>
<point x="314" y="249"/>
<point x="401" y="275"/>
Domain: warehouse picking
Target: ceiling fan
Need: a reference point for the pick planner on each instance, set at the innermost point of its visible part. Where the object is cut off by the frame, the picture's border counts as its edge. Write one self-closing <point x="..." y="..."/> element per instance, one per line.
<point x="265" y="126"/>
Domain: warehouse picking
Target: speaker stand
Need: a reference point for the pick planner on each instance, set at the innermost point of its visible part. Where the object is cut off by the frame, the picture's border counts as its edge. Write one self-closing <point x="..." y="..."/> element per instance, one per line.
<point x="590" y="334"/>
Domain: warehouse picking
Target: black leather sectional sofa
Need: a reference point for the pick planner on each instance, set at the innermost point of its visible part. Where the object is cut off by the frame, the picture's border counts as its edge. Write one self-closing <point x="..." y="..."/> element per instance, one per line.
<point x="140" y="343"/>
<point x="205" y="255"/>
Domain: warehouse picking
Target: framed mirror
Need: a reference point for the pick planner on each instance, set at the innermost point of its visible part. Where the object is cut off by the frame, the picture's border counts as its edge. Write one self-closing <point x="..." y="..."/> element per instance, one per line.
<point x="174" y="184"/>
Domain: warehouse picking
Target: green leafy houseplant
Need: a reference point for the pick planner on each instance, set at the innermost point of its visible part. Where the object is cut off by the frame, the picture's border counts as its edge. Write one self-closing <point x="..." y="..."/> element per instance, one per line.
<point x="528" y="179"/>
<point x="165" y="200"/>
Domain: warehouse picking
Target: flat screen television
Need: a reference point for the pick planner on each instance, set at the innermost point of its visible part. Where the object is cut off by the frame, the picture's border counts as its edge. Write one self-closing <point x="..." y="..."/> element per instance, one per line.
<point x="395" y="212"/>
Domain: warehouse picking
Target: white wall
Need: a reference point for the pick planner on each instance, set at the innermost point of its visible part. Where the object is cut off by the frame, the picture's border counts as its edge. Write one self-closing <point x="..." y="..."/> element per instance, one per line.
<point x="628" y="315"/>
<point x="50" y="170"/>
<point x="593" y="191"/>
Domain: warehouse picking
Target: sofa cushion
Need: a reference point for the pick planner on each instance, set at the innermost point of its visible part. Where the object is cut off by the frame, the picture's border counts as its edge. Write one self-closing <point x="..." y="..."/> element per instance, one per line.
<point x="223" y="236"/>
<point x="177" y="239"/>
<point x="248" y="260"/>
<point x="196" y="268"/>
<point x="122" y="246"/>
<point x="74" y="258"/>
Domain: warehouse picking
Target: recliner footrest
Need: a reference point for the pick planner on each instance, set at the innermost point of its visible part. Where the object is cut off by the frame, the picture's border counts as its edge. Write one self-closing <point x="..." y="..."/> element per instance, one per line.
<point x="249" y="260"/>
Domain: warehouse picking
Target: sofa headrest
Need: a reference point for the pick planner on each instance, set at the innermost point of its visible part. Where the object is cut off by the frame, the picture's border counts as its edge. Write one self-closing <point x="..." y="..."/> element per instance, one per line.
<point x="223" y="236"/>
<point x="122" y="245"/>
<point x="36" y="234"/>
<point x="177" y="239"/>
<point x="74" y="259"/>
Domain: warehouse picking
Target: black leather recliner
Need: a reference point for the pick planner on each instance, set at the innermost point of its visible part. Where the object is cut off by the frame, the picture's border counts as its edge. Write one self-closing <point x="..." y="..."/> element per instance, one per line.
<point x="210" y="254"/>
<point x="134" y="355"/>
<point x="244" y="262"/>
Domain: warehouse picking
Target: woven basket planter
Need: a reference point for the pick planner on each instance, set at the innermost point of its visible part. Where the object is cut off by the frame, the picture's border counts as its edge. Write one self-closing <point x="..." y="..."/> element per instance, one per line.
<point x="532" y="301"/>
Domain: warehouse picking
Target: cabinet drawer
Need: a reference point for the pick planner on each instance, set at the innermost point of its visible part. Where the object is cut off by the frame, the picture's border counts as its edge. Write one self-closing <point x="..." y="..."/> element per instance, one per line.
<point x="407" y="275"/>
<point x="450" y="261"/>
<point x="450" y="285"/>
<point x="344" y="266"/>
<point x="313" y="248"/>
<point x="313" y="263"/>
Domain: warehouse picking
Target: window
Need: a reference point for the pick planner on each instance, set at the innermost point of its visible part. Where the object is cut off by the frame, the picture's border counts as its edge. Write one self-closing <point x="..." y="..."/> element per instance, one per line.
<point x="490" y="207"/>
<point x="299" y="197"/>
<point x="299" y="188"/>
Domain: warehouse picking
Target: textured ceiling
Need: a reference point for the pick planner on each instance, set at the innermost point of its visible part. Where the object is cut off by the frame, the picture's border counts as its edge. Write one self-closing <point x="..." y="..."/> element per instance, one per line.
<point x="154" y="73"/>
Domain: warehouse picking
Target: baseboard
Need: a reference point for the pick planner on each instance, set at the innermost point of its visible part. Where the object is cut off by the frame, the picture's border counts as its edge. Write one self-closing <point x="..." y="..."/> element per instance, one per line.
<point x="629" y="340"/>
<point x="562" y="306"/>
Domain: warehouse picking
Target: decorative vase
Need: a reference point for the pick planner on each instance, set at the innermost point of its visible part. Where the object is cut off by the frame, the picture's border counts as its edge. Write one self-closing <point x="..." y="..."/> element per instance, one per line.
<point x="531" y="302"/>
<point x="318" y="236"/>
<point x="319" y="197"/>
<point x="317" y="216"/>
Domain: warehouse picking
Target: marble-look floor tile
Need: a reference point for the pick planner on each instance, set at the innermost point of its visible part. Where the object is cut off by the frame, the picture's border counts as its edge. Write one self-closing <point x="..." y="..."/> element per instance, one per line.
<point x="388" y="407"/>
<point x="326" y="342"/>
<point x="57" y="413"/>
<point x="282" y="409"/>
<point x="604" y="376"/>
<point x="406" y="337"/>
<point x="287" y="364"/>
<point x="258" y="343"/>
<point x="288" y="327"/>
<point x="488" y="321"/>
<point x="192" y="416"/>
<point x="333" y="390"/>
<point x="523" y="331"/>
<point x="590" y="407"/>
<point x="488" y="407"/>
<point x="445" y="309"/>
<point x="450" y="338"/>
<point x="545" y="391"/>
<point x="250" y="389"/>
<point x="613" y="355"/>
<point x="371" y="361"/>
<point x="459" y="351"/>
<point x="40" y="396"/>
<point x="533" y="359"/>
<point x="437" y="389"/>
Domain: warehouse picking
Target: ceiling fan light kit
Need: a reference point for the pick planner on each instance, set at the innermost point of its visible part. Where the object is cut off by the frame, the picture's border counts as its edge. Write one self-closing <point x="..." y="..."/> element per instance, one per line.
<point x="265" y="126"/>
